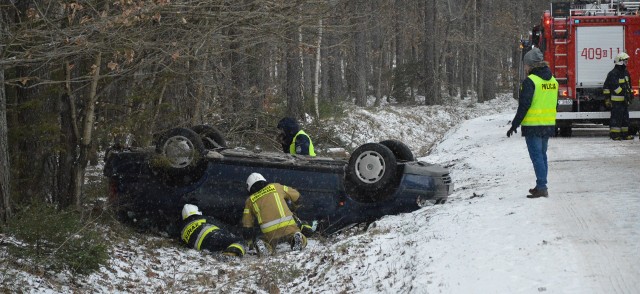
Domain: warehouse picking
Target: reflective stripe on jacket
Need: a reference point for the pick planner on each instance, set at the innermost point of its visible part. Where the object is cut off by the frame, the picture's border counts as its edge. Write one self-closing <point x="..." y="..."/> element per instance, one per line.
<point x="269" y="207"/>
<point x="292" y="147"/>
<point x="543" y="105"/>
<point x="200" y="229"/>
<point x="618" y="84"/>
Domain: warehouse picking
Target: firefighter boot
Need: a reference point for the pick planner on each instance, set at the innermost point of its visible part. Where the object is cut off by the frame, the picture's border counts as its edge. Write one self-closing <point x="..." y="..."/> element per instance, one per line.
<point x="263" y="248"/>
<point x="234" y="250"/>
<point x="299" y="241"/>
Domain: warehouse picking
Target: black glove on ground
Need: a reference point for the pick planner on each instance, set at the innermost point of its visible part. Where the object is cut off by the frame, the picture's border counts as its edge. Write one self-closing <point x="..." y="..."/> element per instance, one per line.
<point x="511" y="131"/>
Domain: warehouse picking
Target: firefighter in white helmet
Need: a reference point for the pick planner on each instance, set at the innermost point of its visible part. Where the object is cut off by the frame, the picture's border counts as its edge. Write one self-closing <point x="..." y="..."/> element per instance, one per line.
<point x="618" y="94"/>
<point x="267" y="205"/>
<point x="206" y="233"/>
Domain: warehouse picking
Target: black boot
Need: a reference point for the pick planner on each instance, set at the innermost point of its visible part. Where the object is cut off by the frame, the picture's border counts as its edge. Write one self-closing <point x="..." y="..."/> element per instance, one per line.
<point x="535" y="193"/>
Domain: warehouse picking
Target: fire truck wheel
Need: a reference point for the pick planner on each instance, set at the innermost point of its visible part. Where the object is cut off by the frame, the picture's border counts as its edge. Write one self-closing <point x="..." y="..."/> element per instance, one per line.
<point x="565" y="131"/>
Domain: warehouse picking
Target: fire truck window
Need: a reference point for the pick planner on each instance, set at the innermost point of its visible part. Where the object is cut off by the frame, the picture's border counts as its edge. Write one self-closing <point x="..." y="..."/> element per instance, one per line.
<point x="542" y="44"/>
<point x="535" y="36"/>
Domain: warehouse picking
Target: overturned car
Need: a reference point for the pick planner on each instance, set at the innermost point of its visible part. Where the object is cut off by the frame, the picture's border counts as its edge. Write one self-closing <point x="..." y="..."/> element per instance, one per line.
<point x="149" y="186"/>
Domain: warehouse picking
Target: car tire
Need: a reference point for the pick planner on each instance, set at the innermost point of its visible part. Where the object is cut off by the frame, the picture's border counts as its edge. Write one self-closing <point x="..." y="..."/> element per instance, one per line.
<point x="372" y="167"/>
<point x="210" y="136"/>
<point x="400" y="150"/>
<point x="180" y="159"/>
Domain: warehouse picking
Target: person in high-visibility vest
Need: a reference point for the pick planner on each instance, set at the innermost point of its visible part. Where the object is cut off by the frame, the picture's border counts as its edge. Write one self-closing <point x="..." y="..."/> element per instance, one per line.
<point x="206" y="233"/>
<point x="537" y="115"/>
<point x="267" y="205"/>
<point x="618" y="94"/>
<point x="293" y="139"/>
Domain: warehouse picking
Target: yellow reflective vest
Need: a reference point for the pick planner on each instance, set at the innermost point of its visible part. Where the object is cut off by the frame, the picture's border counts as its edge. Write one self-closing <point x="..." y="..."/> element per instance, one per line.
<point x="543" y="104"/>
<point x="292" y="147"/>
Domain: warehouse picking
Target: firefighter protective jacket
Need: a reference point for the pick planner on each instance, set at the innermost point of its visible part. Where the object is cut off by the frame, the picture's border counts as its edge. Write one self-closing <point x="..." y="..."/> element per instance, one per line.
<point x="200" y="232"/>
<point x="617" y="86"/>
<point x="269" y="208"/>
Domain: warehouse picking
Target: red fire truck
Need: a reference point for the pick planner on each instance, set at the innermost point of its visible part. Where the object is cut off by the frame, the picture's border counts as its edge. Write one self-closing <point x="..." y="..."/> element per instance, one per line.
<point x="580" y="39"/>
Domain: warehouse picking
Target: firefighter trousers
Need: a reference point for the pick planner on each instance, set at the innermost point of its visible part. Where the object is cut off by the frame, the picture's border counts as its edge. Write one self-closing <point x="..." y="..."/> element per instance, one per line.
<point x="619" y="123"/>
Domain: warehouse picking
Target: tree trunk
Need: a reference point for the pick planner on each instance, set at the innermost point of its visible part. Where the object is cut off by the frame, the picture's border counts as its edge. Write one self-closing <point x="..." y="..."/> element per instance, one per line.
<point x="432" y="85"/>
<point x="82" y="145"/>
<point x="5" y="176"/>
<point x="333" y="83"/>
<point x="360" y="51"/>
<point x="294" y="73"/>
<point x="316" y="88"/>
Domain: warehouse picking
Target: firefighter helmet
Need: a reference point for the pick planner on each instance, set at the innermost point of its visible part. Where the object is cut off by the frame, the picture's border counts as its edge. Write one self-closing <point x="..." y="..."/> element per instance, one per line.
<point x="189" y="210"/>
<point x="253" y="178"/>
<point x="621" y="58"/>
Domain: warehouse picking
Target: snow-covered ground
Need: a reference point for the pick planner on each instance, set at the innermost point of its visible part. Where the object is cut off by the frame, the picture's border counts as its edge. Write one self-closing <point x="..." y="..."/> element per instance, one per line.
<point x="488" y="238"/>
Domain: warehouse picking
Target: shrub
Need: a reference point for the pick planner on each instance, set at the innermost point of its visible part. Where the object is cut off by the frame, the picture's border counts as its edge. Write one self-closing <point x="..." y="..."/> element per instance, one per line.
<point x="58" y="240"/>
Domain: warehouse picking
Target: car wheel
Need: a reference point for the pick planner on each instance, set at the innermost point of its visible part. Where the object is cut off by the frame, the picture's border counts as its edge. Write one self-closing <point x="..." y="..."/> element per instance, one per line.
<point x="372" y="167"/>
<point x="181" y="148"/>
<point x="181" y="157"/>
<point x="210" y="136"/>
<point x="400" y="150"/>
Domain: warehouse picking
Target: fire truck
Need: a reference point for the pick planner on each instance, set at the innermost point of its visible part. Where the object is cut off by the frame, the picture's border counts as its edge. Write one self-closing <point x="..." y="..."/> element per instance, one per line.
<point x="580" y="40"/>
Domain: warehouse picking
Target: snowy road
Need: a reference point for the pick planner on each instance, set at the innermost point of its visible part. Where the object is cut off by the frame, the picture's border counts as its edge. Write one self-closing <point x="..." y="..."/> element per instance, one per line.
<point x="583" y="239"/>
<point x="599" y="212"/>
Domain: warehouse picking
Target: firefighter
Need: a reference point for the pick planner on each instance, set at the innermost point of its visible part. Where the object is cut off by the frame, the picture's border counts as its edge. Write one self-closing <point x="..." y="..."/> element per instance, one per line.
<point x="293" y="139"/>
<point x="206" y="233"/>
<point x="267" y="203"/>
<point x="618" y="93"/>
<point x="537" y="115"/>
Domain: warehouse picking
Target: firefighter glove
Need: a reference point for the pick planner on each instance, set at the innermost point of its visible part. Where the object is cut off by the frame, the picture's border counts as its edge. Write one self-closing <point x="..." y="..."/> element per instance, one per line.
<point x="607" y="103"/>
<point x="511" y="131"/>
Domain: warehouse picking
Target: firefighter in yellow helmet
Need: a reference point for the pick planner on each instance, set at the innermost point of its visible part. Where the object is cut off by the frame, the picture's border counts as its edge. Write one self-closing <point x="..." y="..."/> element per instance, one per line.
<point x="206" y="233"/>
<point x="267" y="205"/>
<point x="617" y="90"/>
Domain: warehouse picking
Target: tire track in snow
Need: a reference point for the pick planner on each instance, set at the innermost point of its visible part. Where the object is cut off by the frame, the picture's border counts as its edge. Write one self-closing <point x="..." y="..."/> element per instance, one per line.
<point x="600" y="223"/>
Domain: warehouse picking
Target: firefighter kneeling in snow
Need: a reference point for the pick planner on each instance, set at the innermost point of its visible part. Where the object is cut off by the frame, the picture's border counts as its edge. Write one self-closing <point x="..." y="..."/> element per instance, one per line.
<point x="267" y="203"/>
<point x="205" y="233"/>
<point x="617" y="89"/>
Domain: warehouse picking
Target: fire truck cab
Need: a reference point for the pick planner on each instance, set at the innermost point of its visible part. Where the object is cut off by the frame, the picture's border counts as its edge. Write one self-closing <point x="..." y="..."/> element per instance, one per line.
<point x="580" y="40"/>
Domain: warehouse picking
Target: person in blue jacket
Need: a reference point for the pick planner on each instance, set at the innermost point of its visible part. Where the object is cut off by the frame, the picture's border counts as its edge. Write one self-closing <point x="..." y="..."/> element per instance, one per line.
<point x="537" y="115"/>
<point x="293" y="139"/>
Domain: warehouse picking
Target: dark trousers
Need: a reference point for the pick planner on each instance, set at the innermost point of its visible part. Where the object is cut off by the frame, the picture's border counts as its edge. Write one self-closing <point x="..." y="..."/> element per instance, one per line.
<point x="619" y="123"/>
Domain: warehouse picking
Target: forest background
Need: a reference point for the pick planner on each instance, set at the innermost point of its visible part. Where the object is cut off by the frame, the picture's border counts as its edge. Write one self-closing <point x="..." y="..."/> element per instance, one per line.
<point x="80" y="76"/>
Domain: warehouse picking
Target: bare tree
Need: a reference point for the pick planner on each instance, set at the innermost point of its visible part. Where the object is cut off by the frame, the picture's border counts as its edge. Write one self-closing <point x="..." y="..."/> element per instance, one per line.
<point x="5" y="175"/>
<point x="360" y="51"/>
<point x="431" y="83"/>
